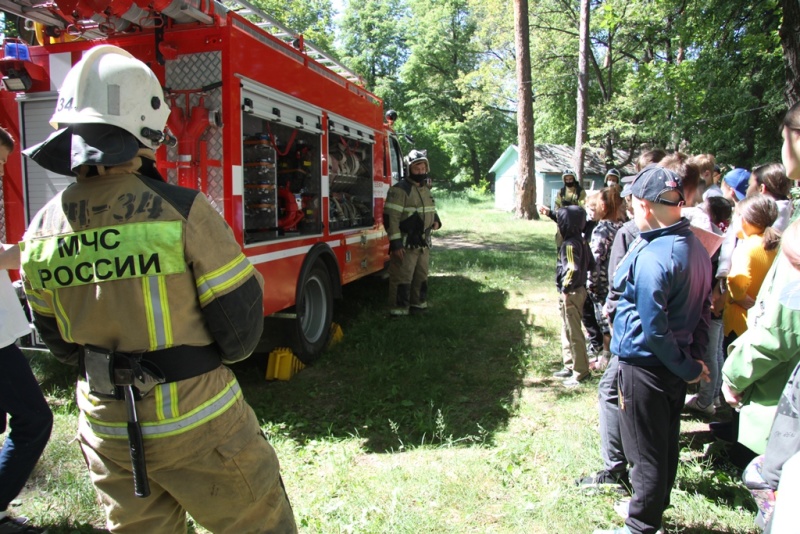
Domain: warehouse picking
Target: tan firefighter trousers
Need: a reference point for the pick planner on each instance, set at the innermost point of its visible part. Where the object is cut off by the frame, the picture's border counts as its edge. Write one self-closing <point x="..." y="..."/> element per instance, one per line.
<point x="408" y="281"/>
<point x="224" y="473"/>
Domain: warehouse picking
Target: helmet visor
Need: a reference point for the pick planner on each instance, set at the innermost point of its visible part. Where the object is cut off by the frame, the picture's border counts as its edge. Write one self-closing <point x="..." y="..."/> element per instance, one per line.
<point x="84" y="144"/>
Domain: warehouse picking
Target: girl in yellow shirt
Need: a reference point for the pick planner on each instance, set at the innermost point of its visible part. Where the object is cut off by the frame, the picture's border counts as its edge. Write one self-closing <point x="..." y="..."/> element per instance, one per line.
<point x="750" y="262"/>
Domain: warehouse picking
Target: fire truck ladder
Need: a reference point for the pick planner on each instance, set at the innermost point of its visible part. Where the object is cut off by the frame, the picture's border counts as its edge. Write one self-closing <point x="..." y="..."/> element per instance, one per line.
<point x="283" y="33"/>
<point x="32" y="11"/>
<point x="184" y="10"/>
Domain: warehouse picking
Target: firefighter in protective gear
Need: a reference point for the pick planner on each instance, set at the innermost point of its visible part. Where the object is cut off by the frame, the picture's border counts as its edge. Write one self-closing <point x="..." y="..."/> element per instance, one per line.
<point x="572" y="194"/>
<point x="409" y="216"/>
<point x="149" y="274"/>
<point x="612" y="177"/>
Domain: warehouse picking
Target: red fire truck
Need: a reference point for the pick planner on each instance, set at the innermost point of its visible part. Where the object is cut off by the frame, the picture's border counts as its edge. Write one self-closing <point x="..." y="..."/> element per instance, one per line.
<point x="283" y="139"/>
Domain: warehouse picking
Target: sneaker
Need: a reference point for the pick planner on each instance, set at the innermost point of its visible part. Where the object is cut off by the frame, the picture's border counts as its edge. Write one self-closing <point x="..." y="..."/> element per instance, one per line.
<point x="18" y="525"/>
<point x="563" y="373"/>
<point x="600" y="362"/>
<point x="693" y="405"/>
<point x="621" y="507"/>
<point x="575" y="381"/>
<point x="605" y="478"/>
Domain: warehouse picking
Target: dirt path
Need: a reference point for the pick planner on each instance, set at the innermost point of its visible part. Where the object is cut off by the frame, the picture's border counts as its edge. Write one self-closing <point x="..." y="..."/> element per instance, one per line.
<point x="460" y="242"/>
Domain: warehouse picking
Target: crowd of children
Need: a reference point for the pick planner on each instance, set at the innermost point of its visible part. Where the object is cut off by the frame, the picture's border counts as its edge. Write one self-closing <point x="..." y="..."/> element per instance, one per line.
<point x="703" y="266"/>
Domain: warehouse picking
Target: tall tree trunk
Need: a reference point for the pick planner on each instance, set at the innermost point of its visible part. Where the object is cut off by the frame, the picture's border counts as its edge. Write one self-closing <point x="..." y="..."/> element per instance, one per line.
<point x="790" y="41"/>
<point x="610" y="59"/>
<point x="526" y="181"/>
<point x="609" y="159"/>
<point x="583" y="90"/>
<point x="475" y="162"/>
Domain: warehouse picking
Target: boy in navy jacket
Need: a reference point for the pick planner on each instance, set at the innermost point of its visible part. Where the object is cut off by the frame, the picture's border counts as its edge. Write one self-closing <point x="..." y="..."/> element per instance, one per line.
<point x="660" y="335"/>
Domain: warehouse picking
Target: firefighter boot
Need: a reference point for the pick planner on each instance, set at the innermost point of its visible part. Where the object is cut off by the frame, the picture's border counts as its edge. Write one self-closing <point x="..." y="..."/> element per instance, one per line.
<point x="401" y="302"/>
<point x="419" y="305"/>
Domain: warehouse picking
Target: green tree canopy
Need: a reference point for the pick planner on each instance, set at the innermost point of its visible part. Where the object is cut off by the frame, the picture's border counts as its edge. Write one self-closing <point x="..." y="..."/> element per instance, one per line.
<point x="448" y="95"/>
<point x="373" y="42"/>
<point x="702" y="77"/>
<point x="311" y="18"/>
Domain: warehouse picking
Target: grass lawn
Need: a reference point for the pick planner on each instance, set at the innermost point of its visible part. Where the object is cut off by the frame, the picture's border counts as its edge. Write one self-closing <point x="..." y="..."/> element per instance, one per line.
<point x="443" y="423"/>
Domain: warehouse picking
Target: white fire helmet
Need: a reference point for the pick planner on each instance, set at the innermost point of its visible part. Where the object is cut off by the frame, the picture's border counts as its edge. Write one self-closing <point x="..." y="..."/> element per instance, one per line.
<point x="416" y="156"/>
<point x="109" y="86"/>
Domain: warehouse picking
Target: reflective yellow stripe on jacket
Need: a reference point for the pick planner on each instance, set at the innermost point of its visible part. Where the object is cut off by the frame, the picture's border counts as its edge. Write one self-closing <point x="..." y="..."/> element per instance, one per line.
<point x="172" y="424"/>
<point x="156" y="305"/>
<point x="226" y="276"/>
<point x="39" y="305"/>
<point x="391" y="206"/>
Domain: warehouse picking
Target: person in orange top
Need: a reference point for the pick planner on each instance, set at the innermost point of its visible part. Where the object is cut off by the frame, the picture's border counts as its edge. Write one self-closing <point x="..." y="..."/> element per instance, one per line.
<point x="750" y="262"/>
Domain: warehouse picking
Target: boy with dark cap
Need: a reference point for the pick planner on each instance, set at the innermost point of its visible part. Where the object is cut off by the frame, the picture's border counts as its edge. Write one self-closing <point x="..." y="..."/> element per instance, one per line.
<point x="661" y="333"/>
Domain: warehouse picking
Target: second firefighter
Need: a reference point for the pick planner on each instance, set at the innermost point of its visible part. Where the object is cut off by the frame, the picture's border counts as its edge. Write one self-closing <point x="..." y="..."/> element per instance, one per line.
<point x="409" y="217"/>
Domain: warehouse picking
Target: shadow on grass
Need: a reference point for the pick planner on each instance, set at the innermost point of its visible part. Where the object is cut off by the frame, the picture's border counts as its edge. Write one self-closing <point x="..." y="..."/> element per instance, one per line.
<point x="56" y="379"/>
<point x="446" y="377"/>
<point x="696" y="440"/>
<point x="715" y="477"/>
<point x="473" y="240"/>
<point x="83" y="528"/>
<point x="71" y="528"/>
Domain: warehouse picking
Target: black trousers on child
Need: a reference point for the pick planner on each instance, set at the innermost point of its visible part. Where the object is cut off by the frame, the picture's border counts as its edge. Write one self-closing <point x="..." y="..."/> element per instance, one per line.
<point x="650" y="404"/>
<point x="593" y="329"/>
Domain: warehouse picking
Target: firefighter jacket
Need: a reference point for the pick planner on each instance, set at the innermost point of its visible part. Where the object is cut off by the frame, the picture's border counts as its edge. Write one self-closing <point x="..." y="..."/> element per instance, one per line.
<point x="570" y="196"/>
<point x="135" y="265"/>
<point x="409" y="214"/>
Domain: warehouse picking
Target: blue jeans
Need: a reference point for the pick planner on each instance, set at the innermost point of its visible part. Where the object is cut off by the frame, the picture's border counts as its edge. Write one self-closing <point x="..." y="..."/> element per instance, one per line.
<point x="713" y="359"/>
<point x="30" y="423"/>
<point x="610" y="439"/>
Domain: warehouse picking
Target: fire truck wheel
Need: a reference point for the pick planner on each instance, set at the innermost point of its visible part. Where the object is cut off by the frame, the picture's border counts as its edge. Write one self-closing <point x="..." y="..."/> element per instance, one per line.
<point x="314" y="314"/>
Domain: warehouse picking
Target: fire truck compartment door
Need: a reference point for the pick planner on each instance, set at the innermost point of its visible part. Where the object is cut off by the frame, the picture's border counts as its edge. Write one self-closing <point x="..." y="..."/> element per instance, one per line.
<point x="40" y="185"/>
<point x="273" y="105"/>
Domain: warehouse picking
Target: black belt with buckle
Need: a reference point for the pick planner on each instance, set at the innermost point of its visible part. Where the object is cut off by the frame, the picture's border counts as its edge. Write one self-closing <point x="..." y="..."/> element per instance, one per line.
<point x="176" y="363"/>
<point x="183" y="361"/>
